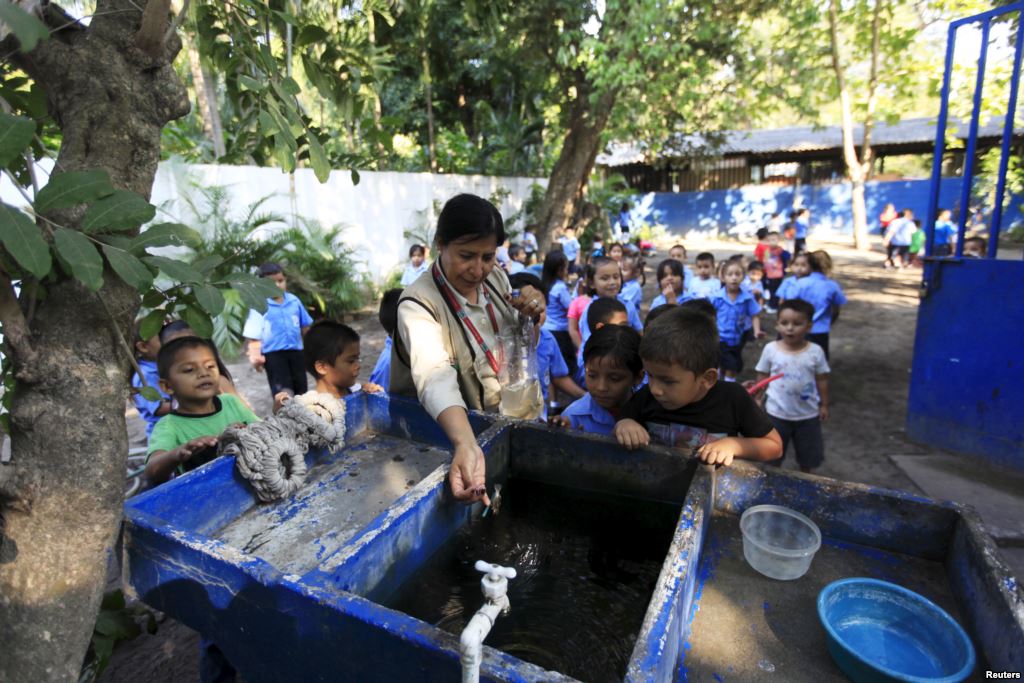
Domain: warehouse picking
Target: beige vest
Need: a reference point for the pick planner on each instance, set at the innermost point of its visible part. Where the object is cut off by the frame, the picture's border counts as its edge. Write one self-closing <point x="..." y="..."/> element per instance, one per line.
<point x="461" y="349"/>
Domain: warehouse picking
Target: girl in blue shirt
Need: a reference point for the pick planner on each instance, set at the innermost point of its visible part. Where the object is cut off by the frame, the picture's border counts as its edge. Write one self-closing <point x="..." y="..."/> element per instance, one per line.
<point x="800" y="268"/>
<point x="670" y="281"/>
<point x="150" y="410"/>
<point x="607" y="283"/>
<point x="613" y="368"/>
<point x="823" y="293"/>
<point x="553" y="277"/>
<point x="632" y="279"/>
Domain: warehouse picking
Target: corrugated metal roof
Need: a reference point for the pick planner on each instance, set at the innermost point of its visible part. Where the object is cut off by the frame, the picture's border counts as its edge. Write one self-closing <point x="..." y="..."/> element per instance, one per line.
<point x="795" y="139"/>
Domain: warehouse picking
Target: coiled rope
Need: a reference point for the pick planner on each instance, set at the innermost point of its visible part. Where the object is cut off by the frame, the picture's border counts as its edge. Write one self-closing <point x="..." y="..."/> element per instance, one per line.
<point x="271" y="454"/>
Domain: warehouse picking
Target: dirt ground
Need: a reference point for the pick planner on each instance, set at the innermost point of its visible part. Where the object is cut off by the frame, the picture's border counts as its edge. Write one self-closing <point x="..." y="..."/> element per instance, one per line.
<point x="871" y="348"/>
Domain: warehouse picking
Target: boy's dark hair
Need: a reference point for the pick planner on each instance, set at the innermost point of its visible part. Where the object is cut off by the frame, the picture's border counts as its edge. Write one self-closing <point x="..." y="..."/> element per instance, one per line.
<point x="761" y="233"/>
<point x="702" y="306"/>
<point x="980" y="241"/>
<point x="387" y="314"/>
<point x="417" y="249"/>
<point x="525" y="279"/>
<point x="798" y="305"/>
<point x="325" y="341"/>
<point x="515" y="250"/>
<point x="669" y="265"/>
<point x="169" y="352"/>
<point x="684" y="337"/>
<point x="601" y="311"/>
<point x="621" y="343"/>
<point x="268" y="269"/>
<point x="705" y="256"/>
<point x="655" y="312"/>
<point x="755" y="265"/>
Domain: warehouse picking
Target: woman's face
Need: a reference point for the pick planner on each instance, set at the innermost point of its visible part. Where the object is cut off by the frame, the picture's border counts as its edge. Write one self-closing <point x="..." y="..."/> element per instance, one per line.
<point x="468" y="261"/>
<point x="608" y="280"/>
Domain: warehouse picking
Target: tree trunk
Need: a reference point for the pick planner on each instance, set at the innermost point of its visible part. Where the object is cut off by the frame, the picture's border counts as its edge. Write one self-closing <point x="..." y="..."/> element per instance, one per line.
<point x="206" y="97"/>
<point x="62" y="492"/>
<point x="428" y="84"/>
<point x="572" y="169"/>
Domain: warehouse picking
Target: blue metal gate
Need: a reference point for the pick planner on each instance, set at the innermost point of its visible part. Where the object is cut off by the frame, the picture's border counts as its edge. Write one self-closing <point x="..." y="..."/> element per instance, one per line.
<point x="967" y="386"/>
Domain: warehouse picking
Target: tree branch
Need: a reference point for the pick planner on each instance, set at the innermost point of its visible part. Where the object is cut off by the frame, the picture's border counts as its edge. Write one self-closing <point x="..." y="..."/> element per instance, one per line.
<point x="866" y="160"/>
<point x="153" y="32"/>
<point x="849" y="149"/>
<point x="16" y="330"/>
<point x="178" y="19"/>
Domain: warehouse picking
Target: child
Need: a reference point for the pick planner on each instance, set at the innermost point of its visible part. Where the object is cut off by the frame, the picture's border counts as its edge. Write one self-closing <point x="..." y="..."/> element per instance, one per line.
<point x="556" y="270"/>
<point x="632" y="266"/>
<point x="387" y="314"/>
<point x="613" y="367"/>
<point x="945" y="234"/>
<point x="802" y="226"/>
<point x="602" y="311"/>
<point x="897" y="240"/>
<point x="608" y="284"/>
<point x="184" y="438"/>
<point x="530" y="242"/>
<point x="585" y="292"/>
<point x="916" y="243"/>
<point x="517" y="264"/>
<point x="801" y="268"/>
<point x="417" y="264"/>
<point x="824" y="294"/>
<point x="798" y="402"/>
<point x="615" y="252"/>
<point x="275" y="337"/>
<point x="734" y="307"/>
<point x="571" y="247"/>
<point x="705" y="285"/>
<point x="669" y="275"/>
<point x="774" y="266"/>
<point x="180" y="328"/>
<point x="685" y="405"/>
<point x="146" y="351"/>
<point x="975" y="247"/>
<point x="678" y="252"/>
<point x="332" y="356"/>
<point x="754" y="281"/>
<point x="551" y="367"/>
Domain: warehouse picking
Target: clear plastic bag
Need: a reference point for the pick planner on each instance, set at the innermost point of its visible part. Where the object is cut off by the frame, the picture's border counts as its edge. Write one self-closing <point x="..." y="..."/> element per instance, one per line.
<point x="517" y="371"/>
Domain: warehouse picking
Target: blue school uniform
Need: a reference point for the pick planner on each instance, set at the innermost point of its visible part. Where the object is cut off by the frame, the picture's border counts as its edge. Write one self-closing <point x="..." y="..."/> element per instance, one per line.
<point x="687" y="278"/>
<point x="584" y="413"/>
<point x="571" y="248"/>
<point x="147" y="409"/>
<point x="822" y="293"/>
<point x="382" y="370"/>
<point x="802" y="228"/>
<point x="280" y="327"/>
<point x="733" y="315"/>
<point x="660" y="299"/>
<point x="634" y="322"/>
<point x="633" y="293"/>
<point x="944" y="231"/>
<point x="559" y="300"/>
<point x="788" y="288"/>
<point x="705" y="289"/>
<point x="550" y="365"/>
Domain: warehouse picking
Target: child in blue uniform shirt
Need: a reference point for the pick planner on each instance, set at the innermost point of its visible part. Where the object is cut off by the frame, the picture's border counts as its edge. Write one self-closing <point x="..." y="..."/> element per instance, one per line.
<point x="705" y="285"/>
<point x="613" y="367"/>
<point x="146" y="351"/>
<point x="800" y="268"/>
<point x="553" y="277"/>
<point x="632" y="273"/>
<point x="734" y="307"/>
<point x="275" y="337"/>
<point x="824" y="294"/>
<point x="599" y="313"/>
<point x="671" y="283"/>
<point x="607" y="284"/>
<point x="417" y="265"/>
<point x="387" y="314"/>
<point x="945" y="233"/>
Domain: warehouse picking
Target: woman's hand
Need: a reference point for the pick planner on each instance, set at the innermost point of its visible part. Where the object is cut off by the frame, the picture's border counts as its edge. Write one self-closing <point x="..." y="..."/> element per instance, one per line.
<point x="529" y="302"/>
<point x="467" y="475"/>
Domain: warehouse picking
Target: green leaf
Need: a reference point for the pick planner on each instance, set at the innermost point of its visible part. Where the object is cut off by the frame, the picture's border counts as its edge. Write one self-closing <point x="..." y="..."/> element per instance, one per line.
<point x="253" y="290"/>
<point x="153" y="298"/>
<point x="26" y="27"/>
<point x="23" y="240"/>
<point x="267" y="124"/>
<point x="81" y="255"/>
<point x="249" y="83"/>
<point x="71" y="188"/>
<point x="198" y="321"/>
<point x="113" y="600"/>
<point x="209" y="298"/>
<point x="122" y="210"/>
<point x="179" y="271"/>
<point x="116" y="625"/>
<point x="311" y="34"/>
<point x="206" y="264"/>
<point x="166" y="235"/>
<point x="150" y="393"/>
<point x="355" y="176"/>
<point x="15" y="136"/>
<point x="128" y="268"/>
<point x="152" y="324"/>
<point x="317" y="158"/>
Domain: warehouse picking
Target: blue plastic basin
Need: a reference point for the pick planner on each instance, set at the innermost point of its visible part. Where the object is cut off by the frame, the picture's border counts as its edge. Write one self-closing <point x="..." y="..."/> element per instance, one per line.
<point x="878" y="631"/>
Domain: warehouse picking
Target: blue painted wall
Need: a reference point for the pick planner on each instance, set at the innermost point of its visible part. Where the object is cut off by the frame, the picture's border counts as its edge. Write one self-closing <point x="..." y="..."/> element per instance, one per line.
<point x="745" y="209"/>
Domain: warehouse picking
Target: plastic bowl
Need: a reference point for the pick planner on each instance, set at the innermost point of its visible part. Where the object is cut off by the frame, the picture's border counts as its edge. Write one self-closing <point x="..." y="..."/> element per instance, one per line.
<point x="778" y="542"/>
<point x="878" y="631"/>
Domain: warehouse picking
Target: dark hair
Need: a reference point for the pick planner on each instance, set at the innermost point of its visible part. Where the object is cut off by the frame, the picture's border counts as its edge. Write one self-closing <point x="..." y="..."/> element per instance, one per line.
<point x="907" y="212"/>
<point x="798" y="305"/>
<point x="683" y="337"/>
<point x="387" y="314"/>
<point x="733" y="262"/>
<point x="525" y="279"/>
<point x="705" y="256"/>
<point x="325" y="341"/>
<point x="169" y="353"/>
<point x="515" y="250"/>
<point x="666" y="266"/>
<point x="755" y="265"/>
<point x="702" y="306"/>
<point x="554" y="263"/>
<point x="268" y="269"/>
<point x="816" y="262"/>
<point x="602" y="309"/>
<point x="469" y="216"/>
<point x="588" y="278"/>
<point x="978" y="240"/>
<point x="621" y="343"/>
<point x="655" y="312"/>
<point x="762" y="233"/>
<point x="180" y="326"/>
<point x="625" y="206"/>
<point x="681" y="246"/>
<point x="417" y="249"/>
<point x="616" y="244"/>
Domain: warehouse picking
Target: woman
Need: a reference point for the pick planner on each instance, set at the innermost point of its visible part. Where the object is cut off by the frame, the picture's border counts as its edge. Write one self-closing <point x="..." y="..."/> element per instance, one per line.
<point x="449" y="322"/>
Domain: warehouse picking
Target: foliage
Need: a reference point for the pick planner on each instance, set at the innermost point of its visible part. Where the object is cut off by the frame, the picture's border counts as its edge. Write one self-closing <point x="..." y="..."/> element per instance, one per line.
<point x="116" y="621"/>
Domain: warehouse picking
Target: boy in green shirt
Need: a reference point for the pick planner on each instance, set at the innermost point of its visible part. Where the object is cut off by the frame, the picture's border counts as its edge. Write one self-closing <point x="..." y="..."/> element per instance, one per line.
<point x="187" y="437"/>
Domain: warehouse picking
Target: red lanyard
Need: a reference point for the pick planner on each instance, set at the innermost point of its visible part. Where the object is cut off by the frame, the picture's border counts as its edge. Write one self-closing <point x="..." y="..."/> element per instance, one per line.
<point x="464" y="318"/>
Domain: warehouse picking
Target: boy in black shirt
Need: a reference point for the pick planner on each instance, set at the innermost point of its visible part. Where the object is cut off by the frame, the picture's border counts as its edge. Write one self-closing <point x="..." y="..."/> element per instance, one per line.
<point x="685" y="405"/>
